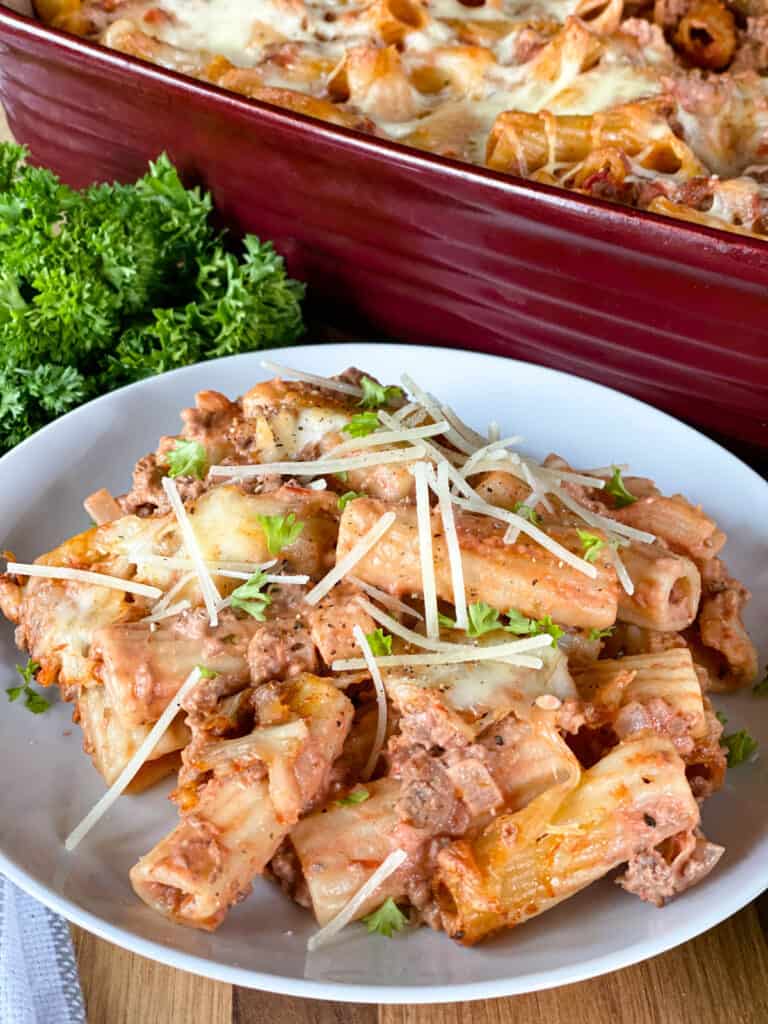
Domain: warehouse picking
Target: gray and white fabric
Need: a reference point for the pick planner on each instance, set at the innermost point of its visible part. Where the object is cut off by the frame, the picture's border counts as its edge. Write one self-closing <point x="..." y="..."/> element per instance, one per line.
<point x="38" y="973"/>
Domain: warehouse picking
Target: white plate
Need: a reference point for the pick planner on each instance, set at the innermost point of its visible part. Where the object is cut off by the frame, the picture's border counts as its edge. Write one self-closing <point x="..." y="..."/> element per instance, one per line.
<point x="48" y="783"/>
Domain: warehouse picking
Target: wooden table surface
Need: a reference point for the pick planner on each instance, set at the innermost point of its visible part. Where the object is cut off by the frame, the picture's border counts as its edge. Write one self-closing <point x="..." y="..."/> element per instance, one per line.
<point x="722" y="976"/>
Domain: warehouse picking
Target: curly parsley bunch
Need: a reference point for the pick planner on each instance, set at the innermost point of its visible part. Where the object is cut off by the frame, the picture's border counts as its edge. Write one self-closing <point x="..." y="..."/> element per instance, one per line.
<point x="113" y="283"/>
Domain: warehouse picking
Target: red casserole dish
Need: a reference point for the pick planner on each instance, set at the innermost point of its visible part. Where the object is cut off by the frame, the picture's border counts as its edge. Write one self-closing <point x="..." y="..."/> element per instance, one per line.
<point x="426" y="249"/>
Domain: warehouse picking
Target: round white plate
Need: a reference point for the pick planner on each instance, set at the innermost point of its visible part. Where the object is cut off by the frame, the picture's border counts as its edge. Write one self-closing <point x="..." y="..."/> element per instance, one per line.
<point x="48" y="783"/>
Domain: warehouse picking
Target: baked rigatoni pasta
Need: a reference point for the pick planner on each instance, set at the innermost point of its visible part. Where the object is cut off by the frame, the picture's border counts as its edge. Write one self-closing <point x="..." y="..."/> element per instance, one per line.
<point x="401" y="667"/>
<point x="659" y="106"/>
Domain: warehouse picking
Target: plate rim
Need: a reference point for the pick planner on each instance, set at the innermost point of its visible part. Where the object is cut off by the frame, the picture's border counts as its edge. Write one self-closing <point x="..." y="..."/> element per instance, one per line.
<point x="398" y="993"/>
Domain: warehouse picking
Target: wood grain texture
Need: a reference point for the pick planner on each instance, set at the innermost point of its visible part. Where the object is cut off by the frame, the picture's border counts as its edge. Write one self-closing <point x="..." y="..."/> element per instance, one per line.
<point x="720" y="976"/>
<point x="122" y="988"/>
<point x="251" y="1007"/>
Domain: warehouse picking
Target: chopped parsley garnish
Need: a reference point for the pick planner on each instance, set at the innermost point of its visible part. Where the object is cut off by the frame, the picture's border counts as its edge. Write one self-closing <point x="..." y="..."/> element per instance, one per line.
<point x="357" y="796"/>
<point x="386" y="920"/>
<point x="33" y="701"/>
<point x="362" y="424"/>
<point x="546" y="625"/>
<point x="348" y="496"/>
<point x="761" y="689"/>
<point x="521" y="509"/>
<point x="615" y="487"/>
<point x="482" y="619"/>
<point x="522" y="626"/>
<point x="205" y="672"/>
<point x="591" y="544"/>
<point x="250" y="596"/>
<point x="188" y="458"/>
<point x="600" y="634"/>
<point x="342" y="475"/>
<point x="518" y="623"/>
<point x="446" y="621"/>
<point x="280" y="531"/>
<point x="741" y="746"/>
<point x="376" y="395"/>
<point x="379" y="642"/>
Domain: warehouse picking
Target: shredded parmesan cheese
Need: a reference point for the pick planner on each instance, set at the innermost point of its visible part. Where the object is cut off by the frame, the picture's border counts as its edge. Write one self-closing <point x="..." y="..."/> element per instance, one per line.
<point x="211" y="596"/>
<point x="454" y="548"/>
<point x="312" y="378"/>
<point x="542" y="538"/>
<point x="145" y="748"/>
<point x="99" y="579"/>
<point x="384" y="598"/>
<point x="168" y="612"/>
<point x="603" y="522"/>
<point x="318" y="485"/>
<point x="382" y="458"/>
<point x="390" y="437"/>
<point x="432" y="407"/>
<point x="387" y="867"/>
<point x="217" y="568"/>
<point x="426" y="557"/>
<point x="169" y="595"/>
<point x="381" y="702"/>
<point x="358" y="551"/>
<point x="511" y="535"/>
<point x="513" y="652"/>
<point x="495" y="449"/>
<point x="268" y="578"/>
<point x="621" y="571"/>
<point x="467" y="433"/>
<point x="558" y="475"/>
<point x="406" y="412"/>
<point x="409" y="635"/>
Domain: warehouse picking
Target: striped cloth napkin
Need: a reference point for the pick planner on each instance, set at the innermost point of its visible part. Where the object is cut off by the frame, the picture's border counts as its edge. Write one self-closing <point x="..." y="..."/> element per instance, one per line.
<point x="38" y="973"/>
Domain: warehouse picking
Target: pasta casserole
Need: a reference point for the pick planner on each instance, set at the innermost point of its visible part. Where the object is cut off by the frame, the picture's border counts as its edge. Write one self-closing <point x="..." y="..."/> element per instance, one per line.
<point x="656" y="104"/>
<point x="407" y="672"/>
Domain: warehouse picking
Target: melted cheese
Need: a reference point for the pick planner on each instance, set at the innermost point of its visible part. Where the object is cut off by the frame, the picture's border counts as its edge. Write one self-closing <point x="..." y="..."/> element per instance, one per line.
<point x="437" y="74"/>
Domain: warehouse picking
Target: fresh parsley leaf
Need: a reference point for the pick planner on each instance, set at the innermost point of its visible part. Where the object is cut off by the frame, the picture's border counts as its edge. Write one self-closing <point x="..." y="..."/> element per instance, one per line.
<point x="600" y="634"/>
<point x="250" y="597"/>
<point x="482" y="619"/>
<point x="205" y="672"/>
<point x="376" y="395"/>
<point x="761" y="689"/>
<point x="446" y="621"/>
<point x="591" y="544"/>
<point x="34" y="702"/>
<point x="280" y="531"/>
<point x="187" y="458"/>
<point x="721" y="717"/>
<point x="29" y="671"/>
<point x="615" y="487"/>
<point x="522" y="626"/>
<point x="362" y="424"/>
<point x="741" y="746"/>
<point x="357" y="796"/>
<point x="379" y="642"/>
<point x="386" y="920"/>
<point x="546" y="625"/>
<point x="342" y="476"/>
<point x="521" y="509"/>
<point x="518" y="623"/>
<point x="348" y="496"/>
